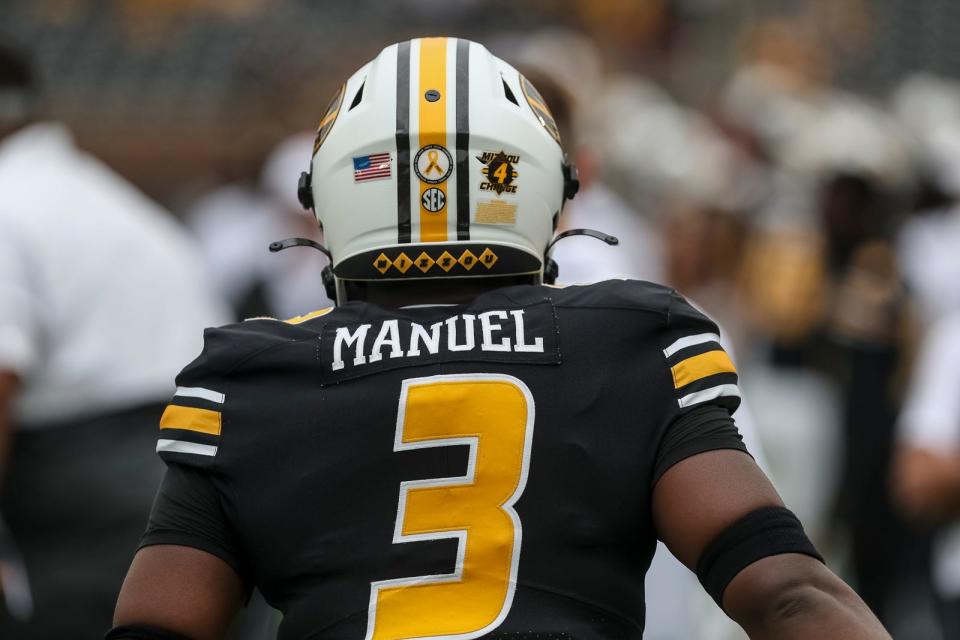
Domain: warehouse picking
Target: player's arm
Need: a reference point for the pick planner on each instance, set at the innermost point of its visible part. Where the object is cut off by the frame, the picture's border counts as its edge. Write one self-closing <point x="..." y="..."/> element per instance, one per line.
<point x="176" y="591"/>
<point x="718" y="513"/>
<point x="185" y="579"/>
<point x="721" y="517"/>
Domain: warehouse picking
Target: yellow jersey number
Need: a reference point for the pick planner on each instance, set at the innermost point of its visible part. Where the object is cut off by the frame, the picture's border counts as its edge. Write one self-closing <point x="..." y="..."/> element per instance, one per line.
<point x="492" y="414"/>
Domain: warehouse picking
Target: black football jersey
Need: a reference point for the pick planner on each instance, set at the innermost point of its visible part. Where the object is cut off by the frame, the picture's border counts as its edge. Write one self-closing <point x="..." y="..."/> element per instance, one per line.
<point x="480" y="470"/>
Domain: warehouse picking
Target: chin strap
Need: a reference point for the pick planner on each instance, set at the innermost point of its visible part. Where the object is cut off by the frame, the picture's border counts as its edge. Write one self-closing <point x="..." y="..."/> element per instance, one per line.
<point x="551" y="271"/>
<point x="550" y="268"/>
<point x="329" y="282"/>
<point x="280" y="245"/>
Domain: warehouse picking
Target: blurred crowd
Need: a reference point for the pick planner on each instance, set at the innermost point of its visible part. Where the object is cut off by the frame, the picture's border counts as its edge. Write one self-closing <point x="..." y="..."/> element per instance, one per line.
<point x="731" y="147"/>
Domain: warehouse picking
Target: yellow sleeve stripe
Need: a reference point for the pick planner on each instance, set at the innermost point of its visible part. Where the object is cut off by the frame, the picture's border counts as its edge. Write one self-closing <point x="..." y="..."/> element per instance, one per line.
<point x="309" y="316"/>
<point x="700" y="366"/>
<point x="191" y="419"/>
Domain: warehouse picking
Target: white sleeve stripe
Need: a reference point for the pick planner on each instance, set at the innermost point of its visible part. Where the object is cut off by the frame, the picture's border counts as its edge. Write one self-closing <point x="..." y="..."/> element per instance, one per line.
<point x="200" y="392"/>
<point x="689" y="341"/>
<point x="178" y="446"/>
<point x="709" y="394"/>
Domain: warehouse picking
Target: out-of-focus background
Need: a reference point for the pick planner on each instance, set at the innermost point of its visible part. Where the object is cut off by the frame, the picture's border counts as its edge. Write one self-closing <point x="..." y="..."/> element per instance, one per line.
<point x="792" y="166"/>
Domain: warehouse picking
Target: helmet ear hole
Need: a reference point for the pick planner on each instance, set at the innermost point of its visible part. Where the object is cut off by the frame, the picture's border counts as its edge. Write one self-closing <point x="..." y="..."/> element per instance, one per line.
<point x="357" y="98"/>
<point x="305" y="191"/>
<point x="508" y="92"/>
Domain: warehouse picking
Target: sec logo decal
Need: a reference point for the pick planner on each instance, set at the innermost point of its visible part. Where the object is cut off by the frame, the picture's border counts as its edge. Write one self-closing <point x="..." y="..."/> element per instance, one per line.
<point x="433" y="200"/>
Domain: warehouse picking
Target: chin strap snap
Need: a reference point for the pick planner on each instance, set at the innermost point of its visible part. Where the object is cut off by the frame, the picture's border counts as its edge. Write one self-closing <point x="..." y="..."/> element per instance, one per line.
<point x="551" y="271"/>
<point x="326" y="276"/>
<point x="305" y="191"/>
<point x="571" y="179"/>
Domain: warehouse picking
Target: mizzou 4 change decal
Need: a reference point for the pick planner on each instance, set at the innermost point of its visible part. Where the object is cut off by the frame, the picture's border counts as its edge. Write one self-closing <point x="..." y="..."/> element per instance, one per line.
<point x="499" y="171"/>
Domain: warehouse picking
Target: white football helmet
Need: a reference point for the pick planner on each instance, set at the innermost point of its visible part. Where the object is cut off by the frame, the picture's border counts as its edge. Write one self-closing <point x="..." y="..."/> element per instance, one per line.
<point x="436" y="160"/>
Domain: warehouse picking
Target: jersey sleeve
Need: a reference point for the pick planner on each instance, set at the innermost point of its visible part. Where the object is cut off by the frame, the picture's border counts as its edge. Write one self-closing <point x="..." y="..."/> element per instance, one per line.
<point x="189" y="511"/>
<point x="191" y="426"/>
<point x="704" y="391"/>
<point x="705" y="428"/>
<point x="701" y="372"/>
<point x="193" y="506"/>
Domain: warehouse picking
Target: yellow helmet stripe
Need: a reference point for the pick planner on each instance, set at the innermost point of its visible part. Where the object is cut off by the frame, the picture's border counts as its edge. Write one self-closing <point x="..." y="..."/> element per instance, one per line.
<point x="433" y="130"/>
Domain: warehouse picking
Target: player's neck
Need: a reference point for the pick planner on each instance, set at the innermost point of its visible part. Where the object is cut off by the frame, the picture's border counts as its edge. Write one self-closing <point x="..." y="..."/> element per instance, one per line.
<point x="439" y="292"/>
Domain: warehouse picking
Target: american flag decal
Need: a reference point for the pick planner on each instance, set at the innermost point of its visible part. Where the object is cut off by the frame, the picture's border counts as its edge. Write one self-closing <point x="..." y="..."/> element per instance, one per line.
<point x="372" y="167"/>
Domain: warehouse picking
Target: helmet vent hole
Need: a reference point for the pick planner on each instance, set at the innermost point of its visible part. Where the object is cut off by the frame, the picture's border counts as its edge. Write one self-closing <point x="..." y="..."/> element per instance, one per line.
<point x="357" y="98"/>
<point x="508" y="92"/>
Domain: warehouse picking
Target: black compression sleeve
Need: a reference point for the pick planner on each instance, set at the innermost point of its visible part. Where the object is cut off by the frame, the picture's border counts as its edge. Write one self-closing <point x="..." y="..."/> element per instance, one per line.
<point x="765" y="532"/>
<point x="142" y="632"/>
<point x="706" y="428"/>
<point x="188" y="511"/>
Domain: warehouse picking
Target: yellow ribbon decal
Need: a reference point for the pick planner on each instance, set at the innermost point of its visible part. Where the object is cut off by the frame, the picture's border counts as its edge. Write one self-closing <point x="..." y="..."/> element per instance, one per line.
<point x="433" y="155"/>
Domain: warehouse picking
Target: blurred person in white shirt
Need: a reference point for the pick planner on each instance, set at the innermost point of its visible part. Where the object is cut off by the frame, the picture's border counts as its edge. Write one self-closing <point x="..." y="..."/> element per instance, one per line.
<point x="927" y="465"/>
<point x="102" y="297"/>
<point x="235" y="222"/>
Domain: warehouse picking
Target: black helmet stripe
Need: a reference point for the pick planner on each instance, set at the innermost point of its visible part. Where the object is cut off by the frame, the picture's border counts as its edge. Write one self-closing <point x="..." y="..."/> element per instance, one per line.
<point x="403" y="142"/>
<point x="463" y="139"/>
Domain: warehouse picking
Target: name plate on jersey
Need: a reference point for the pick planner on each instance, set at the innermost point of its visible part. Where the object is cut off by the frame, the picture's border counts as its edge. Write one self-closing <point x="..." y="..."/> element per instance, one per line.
<point x="528" y="335"/>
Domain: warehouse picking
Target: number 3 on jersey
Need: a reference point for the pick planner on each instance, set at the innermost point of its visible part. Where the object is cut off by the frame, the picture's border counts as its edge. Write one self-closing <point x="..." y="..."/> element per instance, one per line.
<point x="493" y="415"/>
